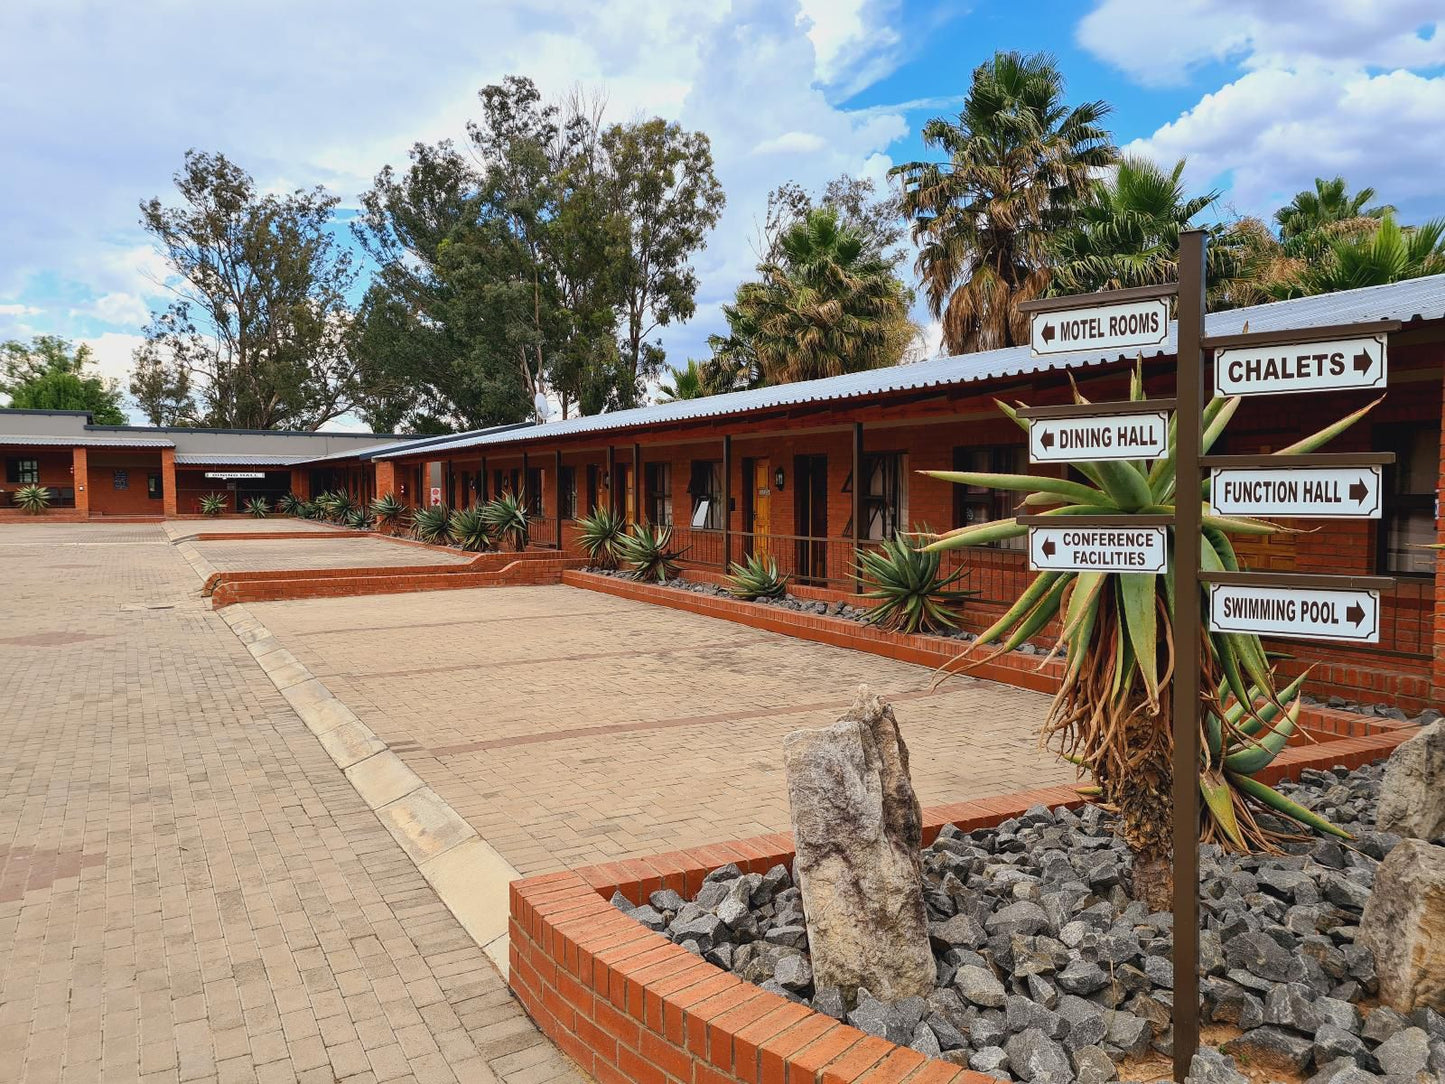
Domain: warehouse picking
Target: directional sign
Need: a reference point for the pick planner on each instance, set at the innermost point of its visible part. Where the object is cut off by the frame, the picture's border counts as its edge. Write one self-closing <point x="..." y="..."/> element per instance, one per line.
<point x="1091" y="439"/>
<point x="1098" y="549"/>
<point x="1100" y="327"/>
<point x="229" y="475"/>
<point x="1284" y="367"/>
<point x="1314" y="492"/>
<point x="1296" y="612"/>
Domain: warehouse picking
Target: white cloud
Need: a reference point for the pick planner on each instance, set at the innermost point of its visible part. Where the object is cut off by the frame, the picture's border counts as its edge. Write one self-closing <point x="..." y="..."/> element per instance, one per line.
<point x="116" y="308"/>
<point x="791" y="142"/>
<point x="19" y="310"/>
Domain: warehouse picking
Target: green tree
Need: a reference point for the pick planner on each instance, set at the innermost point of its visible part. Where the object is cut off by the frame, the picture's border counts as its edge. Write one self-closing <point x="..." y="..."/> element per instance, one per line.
<point x="50" y="374"/>
<point x="1018" y="161"/>
<point x="1392" y="253"/>
<point x="688" y="383"/>
<point x="825" y="307"/>
<point x="257" y="336"/>
<point x="877" y="218"/>
<point x="1330" y="204"/>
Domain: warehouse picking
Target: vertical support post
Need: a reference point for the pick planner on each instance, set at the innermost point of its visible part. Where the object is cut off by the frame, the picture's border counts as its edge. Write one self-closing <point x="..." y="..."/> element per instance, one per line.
<point x="637" y="483"/>
<point x="526" y="477"/>
<point x="557" y="490"/>
<point x="80" y="480"/>
<point x="612" y="478"/>
<point x="168" y="483"/>
<point x="857" y="503"/>
<point x="485" y="487"/>
<point x="1189" y="391"/>
<point x="727" y="502"/>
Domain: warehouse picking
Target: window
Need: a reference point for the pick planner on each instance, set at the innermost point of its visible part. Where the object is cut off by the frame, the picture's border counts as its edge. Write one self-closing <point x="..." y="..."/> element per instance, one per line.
<point x="1408" y="518"/>
<point x="25" y="472"/>
<point x="980" y="504"/>
<point x="153" y="486"/>
<point x="659" y="493"/>
<point x="567" y="488"/>
<point x="705" y="488"/>
<point x="885" y="494"/>
<point x="533" y="494"/>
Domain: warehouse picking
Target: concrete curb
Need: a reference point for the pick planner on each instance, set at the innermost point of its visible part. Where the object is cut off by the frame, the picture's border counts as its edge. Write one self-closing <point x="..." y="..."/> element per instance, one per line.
<point x="469" y="876"/>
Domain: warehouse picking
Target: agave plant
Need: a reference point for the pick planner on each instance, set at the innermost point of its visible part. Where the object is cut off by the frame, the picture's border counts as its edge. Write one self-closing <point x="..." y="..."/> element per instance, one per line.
<point x="32" y="499"/>
<point x="912" y="593"/>
<point x="507" y="519"/>
<point x="646" y="550"/>
<point x="213" y="504"/>
<point x="324" y="503"/>
<point x="756" y="578"/>
<point x="387" y="510"/>
<point x="288" y="504"/>
<point x="469" y="529"/>
<point x="310" y="510"/>
<point x="257" y="508"/>
<point x="432" y="524"/>
<point x="340" y="506"/>
<point x="600" y="536"/>
<point x="1111" y="714"/>
<point x="360" y="519"/>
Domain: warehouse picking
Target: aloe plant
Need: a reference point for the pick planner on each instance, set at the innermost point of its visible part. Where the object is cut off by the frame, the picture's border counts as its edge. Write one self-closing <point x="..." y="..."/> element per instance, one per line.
<point x="340" y="506"/>
<point x="387" y="510"/>
<point x="507" y="519"/>
<point x="911" y="592"/>
<point x="756" y="578"/>
<point x="469" y="529"/>
<point x="360" y="519"/>
<point x="646" y="550"/>
<point x="33" y="499"/>
<point x="310" y="510"/>
<point x="288" y="504"/>
<point x="600" y="536"/>
<point x="1111" y="715"/>
<point x="213" y="504"/>
<point x="324" y="503"/>
<point x="257" y="508"/>
<point x="431" y="524"/>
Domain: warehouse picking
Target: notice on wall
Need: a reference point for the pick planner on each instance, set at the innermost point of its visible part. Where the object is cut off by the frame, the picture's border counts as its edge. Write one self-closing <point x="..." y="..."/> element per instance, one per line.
<point x="436" y="495"/>
<point x="1099" y="327"/>
<point x="1098" y="549"/>
<point x="1336" y="365"/>
<point x="1297" y="613"/>
<point x="1313" y="492"/>
<point x="1093" y="439"/>
<point x="235" y="475"/>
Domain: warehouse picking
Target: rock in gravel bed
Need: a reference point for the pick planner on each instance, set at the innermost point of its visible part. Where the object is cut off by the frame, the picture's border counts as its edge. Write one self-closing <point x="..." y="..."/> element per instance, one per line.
<point x="1047" y="970"/>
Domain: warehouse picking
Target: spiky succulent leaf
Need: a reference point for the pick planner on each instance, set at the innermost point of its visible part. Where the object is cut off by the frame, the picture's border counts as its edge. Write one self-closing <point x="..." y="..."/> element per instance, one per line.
<point x="755" y="578"/>
<point x="32" y="498"/>
<point x="911" y="591"/>
<point x="647" y="551"/>
<point x="600" y="536"/>
<point x="508" y="520"/>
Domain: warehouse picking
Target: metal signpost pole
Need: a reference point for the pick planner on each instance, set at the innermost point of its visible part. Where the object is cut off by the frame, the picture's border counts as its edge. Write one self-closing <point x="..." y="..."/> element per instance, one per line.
<point x="1189" y="392"/>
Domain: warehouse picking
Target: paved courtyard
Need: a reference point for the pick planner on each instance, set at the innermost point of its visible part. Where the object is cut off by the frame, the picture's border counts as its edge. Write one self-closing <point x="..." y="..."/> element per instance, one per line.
<point x="571" y="727"/>
<point x="281" y="553"/>
<point x="189" y="888"/>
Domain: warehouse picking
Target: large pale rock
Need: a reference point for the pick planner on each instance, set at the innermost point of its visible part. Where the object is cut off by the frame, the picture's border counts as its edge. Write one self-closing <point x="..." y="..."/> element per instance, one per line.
<point x="1404" y="925"/>
<point x="858" y="829"/>
<point x="1412" y="796"/>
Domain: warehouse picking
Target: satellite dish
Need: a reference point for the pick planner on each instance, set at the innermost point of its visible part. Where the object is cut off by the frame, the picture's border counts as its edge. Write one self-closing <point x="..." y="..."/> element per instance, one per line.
<point x="543" y="408"/>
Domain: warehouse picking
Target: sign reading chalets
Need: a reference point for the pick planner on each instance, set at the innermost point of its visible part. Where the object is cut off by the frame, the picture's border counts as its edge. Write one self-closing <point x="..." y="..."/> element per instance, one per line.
<point x="1098" y="549"/>
<point x="1092" y="439"/>
<point x="1315" y="492"/>
<point x="1100" y="327"/>
<point x="1297" y="612"/>
<point x="1335" y="365"/>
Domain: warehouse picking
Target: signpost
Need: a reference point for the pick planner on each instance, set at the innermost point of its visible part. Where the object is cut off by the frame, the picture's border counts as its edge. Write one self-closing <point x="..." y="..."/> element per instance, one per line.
<point x="1093" y="434"/>
<point x="1125" y="321"/>
<point x="1312" y="492"/>
<point x="1099" y="549"/>
<point x="1323" y="359"/>
<point x="1270" y="606"/>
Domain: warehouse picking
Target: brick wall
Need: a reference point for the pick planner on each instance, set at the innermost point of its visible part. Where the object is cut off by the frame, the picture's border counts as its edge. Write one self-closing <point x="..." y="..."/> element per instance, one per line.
<point x="104" y="468"/>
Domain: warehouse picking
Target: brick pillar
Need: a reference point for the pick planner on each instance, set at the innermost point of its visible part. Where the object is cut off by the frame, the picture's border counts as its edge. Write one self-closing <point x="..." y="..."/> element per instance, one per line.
<point x="80" y="480"/>
<point x="1437" y="671"/>
<point x="385" y="477"/>
<point x="168" y="482"/>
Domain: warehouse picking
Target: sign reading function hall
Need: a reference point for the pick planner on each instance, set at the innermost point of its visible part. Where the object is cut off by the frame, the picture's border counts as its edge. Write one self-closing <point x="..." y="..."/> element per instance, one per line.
<point x="1098" y="549"/>
<point x="1315" y="492"/>
<point x="1119" y="326"/>
<point x="1335" y="365"/>
<point x="1091" y="439"/>
<point x="1296" y="612"/>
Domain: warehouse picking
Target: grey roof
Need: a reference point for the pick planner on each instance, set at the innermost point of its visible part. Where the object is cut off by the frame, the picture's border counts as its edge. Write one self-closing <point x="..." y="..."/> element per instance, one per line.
<point x="198" y="459"/>
<point x="84" y="440"/>
<point x="1415" y="299"/>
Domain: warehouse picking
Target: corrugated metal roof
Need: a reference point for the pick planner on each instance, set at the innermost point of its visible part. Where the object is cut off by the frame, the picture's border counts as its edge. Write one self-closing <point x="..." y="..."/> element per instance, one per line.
<point x="84" y="441"/>
<point x="1415" y="299"/>
<point x="249" y="459"/>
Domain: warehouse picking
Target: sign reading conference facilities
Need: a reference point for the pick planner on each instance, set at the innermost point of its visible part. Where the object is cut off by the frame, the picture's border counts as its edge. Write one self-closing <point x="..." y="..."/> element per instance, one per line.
<point x="1333" y="365"/>
<point x="1120" y="326"/>
<point x="1312" y="492"/>
<point x="1098" y="549"/>
<point x="1097" y="438"/>
<point x="1296" y="612"/>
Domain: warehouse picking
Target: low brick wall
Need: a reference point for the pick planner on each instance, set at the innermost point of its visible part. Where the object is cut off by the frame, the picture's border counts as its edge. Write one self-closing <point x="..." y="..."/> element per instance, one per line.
<point x="630" y="1006"/>
<point x="482" y="562"/>
<point x="273" y="536"/>
<point x="338" y="583"/>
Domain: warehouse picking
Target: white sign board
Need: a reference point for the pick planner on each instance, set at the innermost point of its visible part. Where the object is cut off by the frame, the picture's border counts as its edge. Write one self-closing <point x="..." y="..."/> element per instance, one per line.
<point x="1336" y="365"/>
<point x="230" y="474"/>
<point x="436" y="495"/>
<point x="1099" y="327"/>
<point x="1098" y="549"/>
<point x="1091" y="439"/>
<point x="1315" y="492"/>
<point x="1297" y="612"/>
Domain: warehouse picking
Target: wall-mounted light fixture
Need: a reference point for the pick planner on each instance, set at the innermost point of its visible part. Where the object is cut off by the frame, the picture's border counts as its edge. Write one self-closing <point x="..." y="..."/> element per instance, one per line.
<point x="778" y="479"/>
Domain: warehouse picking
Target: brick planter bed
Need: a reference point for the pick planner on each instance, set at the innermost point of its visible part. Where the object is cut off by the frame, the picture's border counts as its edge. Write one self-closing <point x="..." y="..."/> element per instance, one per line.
<point x="629" y="1005"/>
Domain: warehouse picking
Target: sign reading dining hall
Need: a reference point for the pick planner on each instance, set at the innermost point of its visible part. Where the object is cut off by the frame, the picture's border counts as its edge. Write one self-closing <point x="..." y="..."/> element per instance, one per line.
<point x="1092" y="439"/>
<point x="1099" y="327"/>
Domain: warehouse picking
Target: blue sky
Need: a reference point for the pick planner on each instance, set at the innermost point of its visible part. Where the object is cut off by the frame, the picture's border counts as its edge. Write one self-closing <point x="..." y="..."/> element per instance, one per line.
<point x="98" y="102"/>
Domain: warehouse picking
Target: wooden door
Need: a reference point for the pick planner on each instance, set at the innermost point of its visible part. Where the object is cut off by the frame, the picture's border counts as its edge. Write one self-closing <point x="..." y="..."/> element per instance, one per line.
<point x="762" y="525"/>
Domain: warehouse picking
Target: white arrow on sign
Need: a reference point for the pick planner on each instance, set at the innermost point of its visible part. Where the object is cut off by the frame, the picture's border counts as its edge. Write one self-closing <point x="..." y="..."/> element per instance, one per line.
<point x="1296" y="612"/>
<point x="1098" y="549"/>
<point x="1336" y="365"/>
<point x="1093" y="438"/>
<point x="1314" y="492"/>
<point x="1099" y="327"/>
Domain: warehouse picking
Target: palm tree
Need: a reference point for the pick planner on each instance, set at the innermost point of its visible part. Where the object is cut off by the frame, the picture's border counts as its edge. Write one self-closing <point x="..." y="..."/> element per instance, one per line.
<point x="1310" y="212"/>
<point x="1391" y="253"/>
<point x="824" y="307"/>
<point x="1019" y="160"/>
<point x="689" y="383"/>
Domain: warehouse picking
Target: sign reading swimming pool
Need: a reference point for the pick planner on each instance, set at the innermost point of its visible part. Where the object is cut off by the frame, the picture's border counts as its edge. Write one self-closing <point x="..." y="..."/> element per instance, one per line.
<point x="1098" y="549"/>
<point x="1093" y="439"/>
<point x="1296" y="612"/>
<point x="1099" y="327"/>
<point x="1335" y="365"/>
